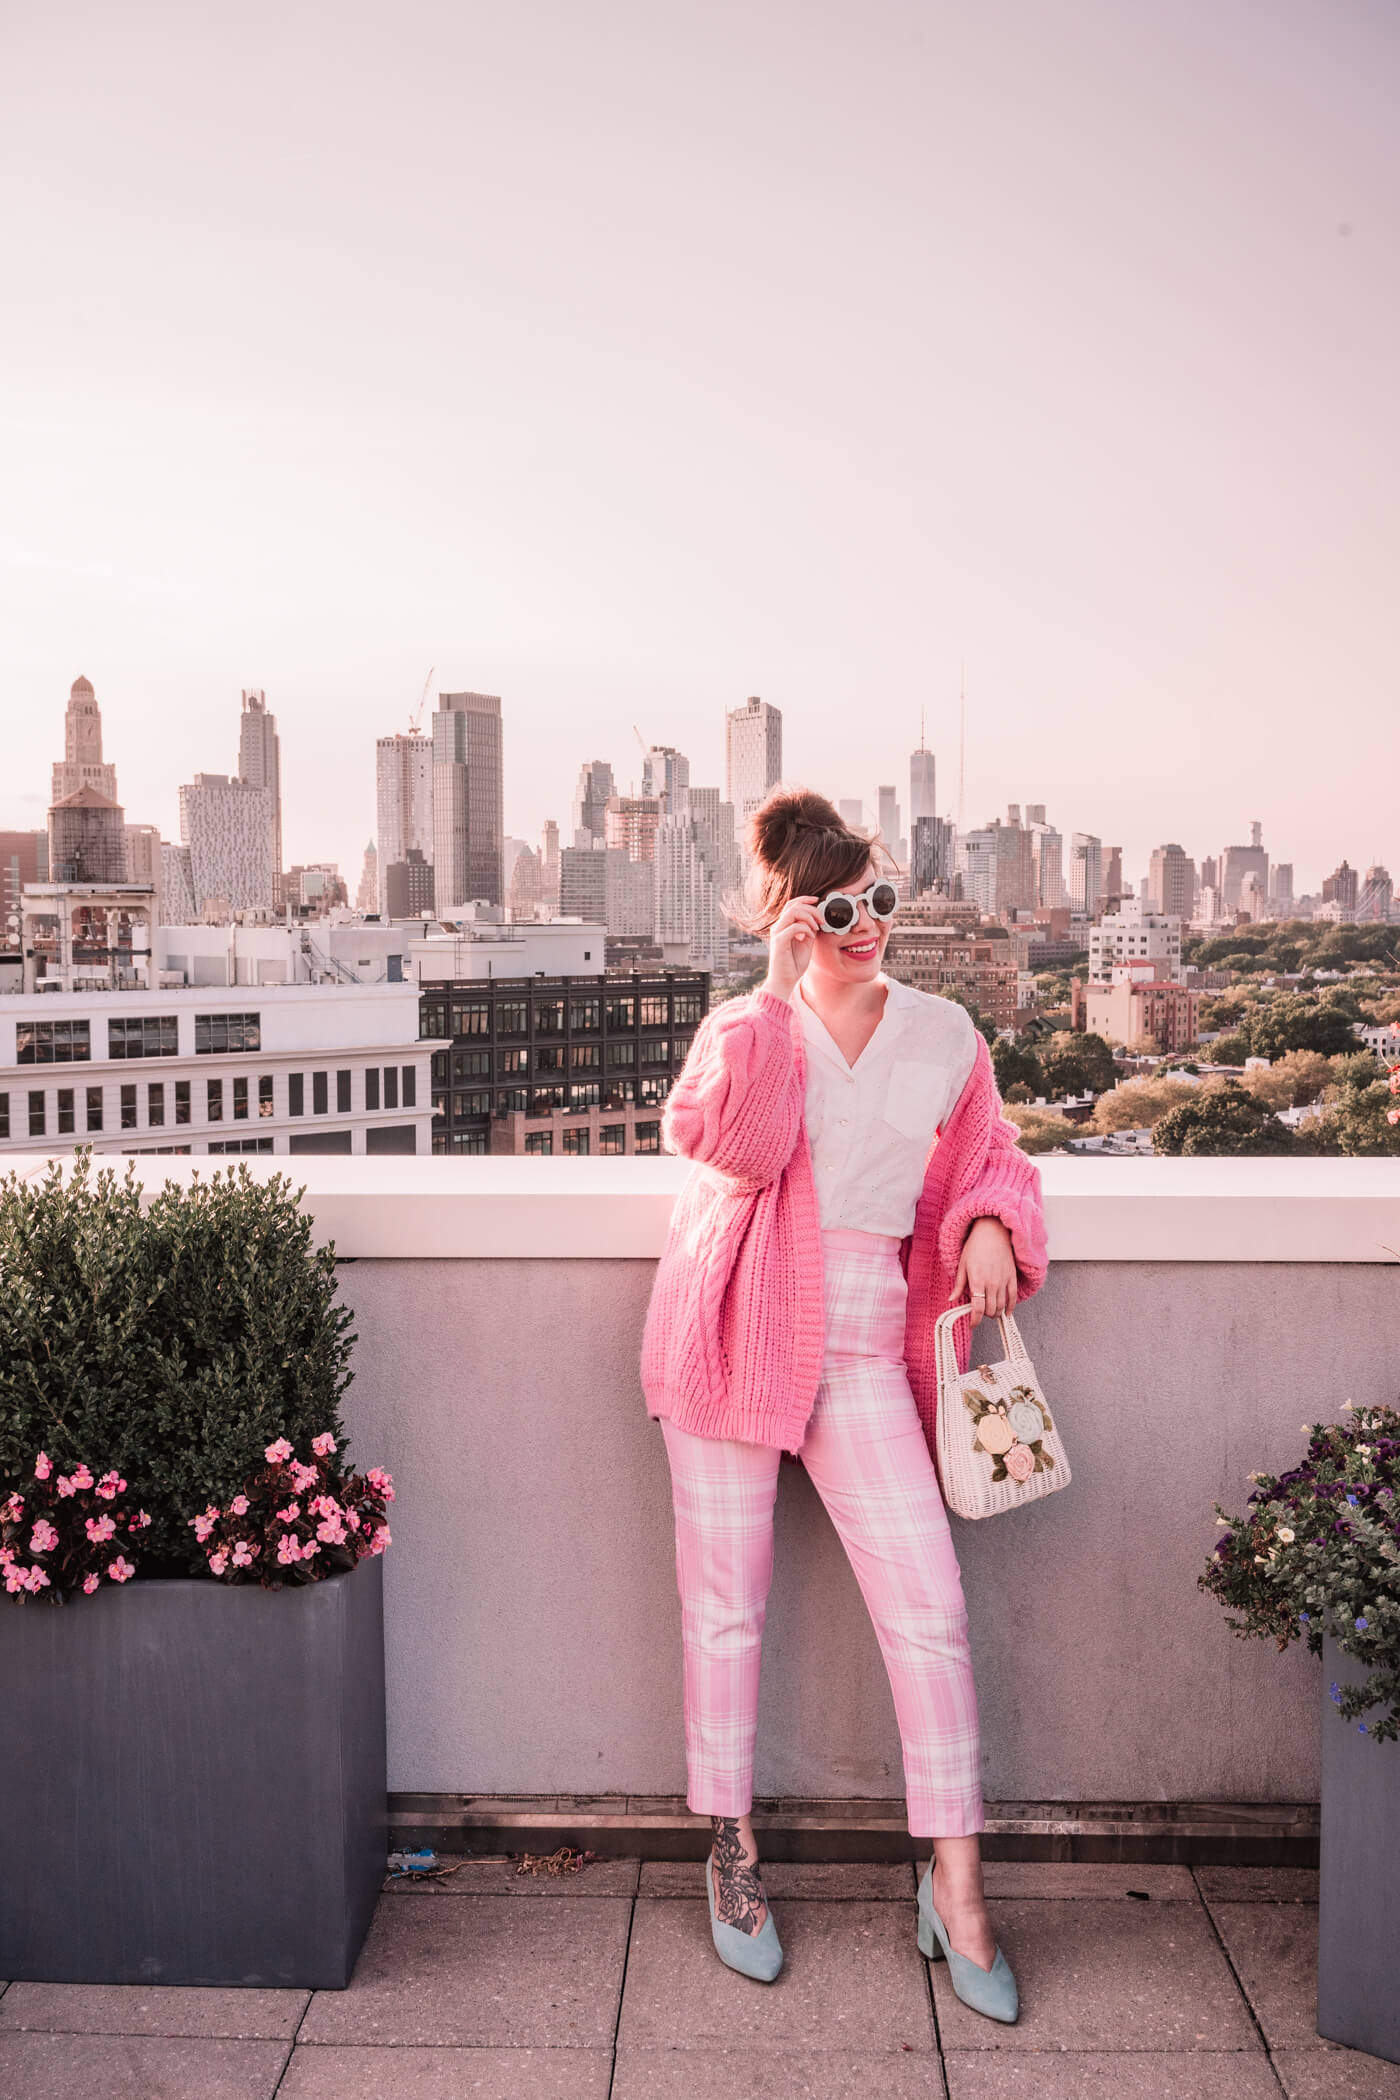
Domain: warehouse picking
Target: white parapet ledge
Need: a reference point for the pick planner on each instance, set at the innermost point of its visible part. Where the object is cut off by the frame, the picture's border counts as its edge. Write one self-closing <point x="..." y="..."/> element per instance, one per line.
<point x="1294" y="1210"/>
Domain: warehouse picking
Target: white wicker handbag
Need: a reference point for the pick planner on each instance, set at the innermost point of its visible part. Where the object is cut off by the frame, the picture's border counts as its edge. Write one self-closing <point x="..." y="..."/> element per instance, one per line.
<point x="998" y="1446"/>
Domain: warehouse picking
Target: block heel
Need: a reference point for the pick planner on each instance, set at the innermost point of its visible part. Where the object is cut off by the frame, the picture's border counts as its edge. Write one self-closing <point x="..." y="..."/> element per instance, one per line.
<point x="988" y="1991"/>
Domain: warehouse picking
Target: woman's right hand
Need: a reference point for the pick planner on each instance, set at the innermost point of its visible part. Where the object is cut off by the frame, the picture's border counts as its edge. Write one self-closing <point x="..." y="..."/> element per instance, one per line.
<point x="790" y="940"/>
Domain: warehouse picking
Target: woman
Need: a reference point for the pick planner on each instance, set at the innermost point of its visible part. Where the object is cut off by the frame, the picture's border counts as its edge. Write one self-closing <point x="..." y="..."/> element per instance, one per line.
<point x="853" y="1176"/>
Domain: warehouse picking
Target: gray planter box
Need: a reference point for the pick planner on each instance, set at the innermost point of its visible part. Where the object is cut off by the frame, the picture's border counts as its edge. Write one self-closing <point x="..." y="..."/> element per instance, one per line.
<point x="194" y="1782"/>
<point x="1359" y="1885"/>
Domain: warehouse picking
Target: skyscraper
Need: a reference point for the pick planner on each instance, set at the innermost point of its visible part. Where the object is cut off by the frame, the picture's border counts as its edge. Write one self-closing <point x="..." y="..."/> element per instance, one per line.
<point x="595" y="785"/>
<point x="1085" y="867"/>
<point x="1171" y="881"/>
<point x="1238" y="861"/>
<point x="468" y="800"/>
<point x="922" y="801"/>
<point x="403" y="793"/>
<point x="82" y="764"/>
<point x="753" y="756"/>
<point x="888" y="820"/>
<point x="227" y="825"/>
<point x="665" y="772"/>
<point x="260" y="764"/>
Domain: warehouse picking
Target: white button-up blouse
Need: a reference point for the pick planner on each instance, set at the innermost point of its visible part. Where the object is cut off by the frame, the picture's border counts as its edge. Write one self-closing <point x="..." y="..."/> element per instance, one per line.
<point x="870" y="1124"/>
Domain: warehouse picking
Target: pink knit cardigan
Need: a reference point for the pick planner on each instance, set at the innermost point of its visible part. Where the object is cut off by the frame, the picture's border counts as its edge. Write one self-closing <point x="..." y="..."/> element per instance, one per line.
<point x="735" y="1334"/>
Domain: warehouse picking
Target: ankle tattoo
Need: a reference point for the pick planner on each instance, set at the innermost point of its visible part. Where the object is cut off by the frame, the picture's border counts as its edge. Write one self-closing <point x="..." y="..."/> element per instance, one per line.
<point x="739" y="1892"/>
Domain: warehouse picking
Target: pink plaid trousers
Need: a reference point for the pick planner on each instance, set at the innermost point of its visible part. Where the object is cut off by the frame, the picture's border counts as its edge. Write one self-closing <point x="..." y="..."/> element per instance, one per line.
<point x="865" y="1451"/>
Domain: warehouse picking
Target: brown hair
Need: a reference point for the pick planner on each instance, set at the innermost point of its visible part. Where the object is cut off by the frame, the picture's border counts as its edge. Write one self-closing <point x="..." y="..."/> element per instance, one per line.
<point x="800" y="848"/>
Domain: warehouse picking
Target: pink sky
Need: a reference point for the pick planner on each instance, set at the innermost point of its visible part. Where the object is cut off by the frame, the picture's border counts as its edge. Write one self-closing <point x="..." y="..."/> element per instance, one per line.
<point x="628" y="359"/>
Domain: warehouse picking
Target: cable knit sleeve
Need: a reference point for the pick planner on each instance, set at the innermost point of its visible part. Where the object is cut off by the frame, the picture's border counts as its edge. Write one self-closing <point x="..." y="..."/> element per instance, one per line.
<point x="1006" y="1187"/>
<point x="737" y="1105"/>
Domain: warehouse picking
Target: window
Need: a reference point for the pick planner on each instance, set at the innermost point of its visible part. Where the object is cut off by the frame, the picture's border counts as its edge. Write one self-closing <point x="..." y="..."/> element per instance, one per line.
<point x="128" y="1094"/>
<point x="513" y="1017"/>
<point x="391" y="1082"/>
<point x="4" y="1115"/>
<point x="342" y="1093"/>
<point x="216" y="1035"/>
<point x="464" y="1105"/>
<point x="656" y="1050"/>
<point x="442" y="1065"/>
<point x="612" y="1138"/>
<point x="688" y="1009"/>
<point x="584" y="1093"/>
<point x="408" y="1093"/>
<point x="654" y="1091"/>
<point x="150" y="1035"/>
<point x="155" y="1103"/>
<point x="265" y="1094"/>
<point x="654" y="1013"/>
<point x="470" y="1064"/>
<point x="432" y="1018"/>
<point x="541" y="1142"/>
<point x="619" y="1093"/>
<point x="648" y="1137"/>
<point x="622" y="1053"/>
<point x="471" y="1017"/>
<point x="320" y="1093"/>
<point x="52" y="1043"/>
<point x="94" y="1108"/>
<point x="461" y="1141"/>
<point x="240" y="1099"/>
<point x="439" y="1108"/>
<point x="511" y="1097"/>
<point x="511" y="1062"/>
<point x="585" y="1057"/>
<point x="36" y="1114"/>
<point x="372" y="1086"/>
<point x="549" y="1017"/>
<point x="585" y="1014"/>
<point x="214" y="1098"/>
<point x="549" y="1057"/>
<point x="65" y="1111"/>
<point x="248" y="1144"/>
<point x="680" y="1048"/>
<point x="296" y="1094"/>
<point x="622" y="1013"/>
<point x="576" y="1143"/>
<point x="545" y="1098"/>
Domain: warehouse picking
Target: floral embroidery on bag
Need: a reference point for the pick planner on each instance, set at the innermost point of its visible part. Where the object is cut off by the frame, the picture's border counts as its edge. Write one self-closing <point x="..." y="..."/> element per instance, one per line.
<point x="1010" y="1432"/>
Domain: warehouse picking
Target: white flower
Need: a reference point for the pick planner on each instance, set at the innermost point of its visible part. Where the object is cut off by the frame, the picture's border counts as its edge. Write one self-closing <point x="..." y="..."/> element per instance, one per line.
<point x="1285" y="1535"/>
<point x="1363" y="1451"/>
<point x="1222" y="1520"/>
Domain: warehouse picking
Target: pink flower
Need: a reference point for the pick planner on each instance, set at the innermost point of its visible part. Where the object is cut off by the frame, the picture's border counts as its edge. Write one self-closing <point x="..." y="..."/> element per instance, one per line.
<point x="15" y="1581"/>
<point x="324" y="1444"/>
<point x="64" y="1485"/>
<point x="1392" y="1115"/>
<point x="43" y="1538"/>
<point x="7" y="1554"/>
<point x="242" y="1554"/>
<point x="287" y="1550"/>
<point x="218" y="1561"/>
<point x="380" y="1539"/>
<point x="111" y="1485"/>
<point x="309" y="1549"/>
<point x="139" y="1521"/>
<point x="276" y="1454"/>
<point x="37" y="1580"/>
<point x="90" y="1583"/>
<point x="205" y="1524"/>
<point x="288" y="1515"/>
<point x="100" y="1528"/>
<point x="121" y="1569"/>
<point x="1019" y="1462"/>
<point x="331" y="1532"/>
<point x="239" y="1506"/>
<point x="381" y="1482"/>
<point x="13" y="1510"/>
<point x="303" y="1477"/>
<point x="352" y="1519"/>
<point x="82" y="1478"/>
<point x="43" y="1466"/>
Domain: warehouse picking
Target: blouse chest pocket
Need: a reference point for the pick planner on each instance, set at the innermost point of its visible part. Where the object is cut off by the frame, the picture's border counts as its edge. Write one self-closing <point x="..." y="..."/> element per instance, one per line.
<point x="912" y="1101"/>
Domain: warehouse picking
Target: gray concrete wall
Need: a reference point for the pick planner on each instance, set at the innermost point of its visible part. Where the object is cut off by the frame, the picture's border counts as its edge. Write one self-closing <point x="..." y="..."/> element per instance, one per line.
<point x="532" y="1619"/>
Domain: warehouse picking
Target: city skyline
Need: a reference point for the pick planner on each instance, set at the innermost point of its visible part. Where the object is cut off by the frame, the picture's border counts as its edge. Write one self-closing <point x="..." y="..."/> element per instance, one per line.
<point x="813" y="353"/>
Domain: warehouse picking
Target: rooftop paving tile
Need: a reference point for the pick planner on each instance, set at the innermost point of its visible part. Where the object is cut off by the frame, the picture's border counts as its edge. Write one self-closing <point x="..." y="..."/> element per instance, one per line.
<point x="144" y="2067"/>
<point x="851" y="1982"/>
<point x="482" y="1971"/>
<point x="1336" y="2074"/>
<point x="501" y="1877"/>
<point x="1021" y="1878"/>
<point x="791" y="1882"/>
<point x="1105" y="1975"/>
<point x="1274" y="1950"/>
<point x="136" y="2008"/>
<point x="1257" y="1884"/>
<point x="988" y="2074"/>
<point x="798" y="2074"/>
<point x="317" y="2073"/>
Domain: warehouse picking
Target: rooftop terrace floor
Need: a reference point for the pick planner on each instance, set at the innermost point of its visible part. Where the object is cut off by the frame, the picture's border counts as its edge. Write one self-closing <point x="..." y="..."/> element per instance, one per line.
<point x="603" y="1985"/>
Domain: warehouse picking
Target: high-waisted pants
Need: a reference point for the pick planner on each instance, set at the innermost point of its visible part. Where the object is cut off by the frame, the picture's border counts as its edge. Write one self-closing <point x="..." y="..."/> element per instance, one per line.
<point x="866" y="1453"/>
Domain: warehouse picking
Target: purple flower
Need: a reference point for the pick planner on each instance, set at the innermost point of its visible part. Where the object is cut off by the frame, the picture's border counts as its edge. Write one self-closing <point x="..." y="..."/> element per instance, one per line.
<point x="1361" y="1625"/>
<point x="1304" y="1617"/>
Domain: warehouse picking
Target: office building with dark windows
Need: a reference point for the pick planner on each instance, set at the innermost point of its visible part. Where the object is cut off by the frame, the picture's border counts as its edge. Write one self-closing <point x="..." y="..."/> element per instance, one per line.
<point x="558" y="1064"/>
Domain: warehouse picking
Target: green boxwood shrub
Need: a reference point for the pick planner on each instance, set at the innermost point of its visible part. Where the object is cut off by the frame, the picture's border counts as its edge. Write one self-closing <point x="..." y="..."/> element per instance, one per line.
<point x="173" y="1339"/>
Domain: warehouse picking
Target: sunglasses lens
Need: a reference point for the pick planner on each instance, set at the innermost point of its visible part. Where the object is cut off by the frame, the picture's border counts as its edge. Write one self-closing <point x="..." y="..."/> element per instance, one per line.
<point x="839" y="912"/>
<point x="883" y="899"/>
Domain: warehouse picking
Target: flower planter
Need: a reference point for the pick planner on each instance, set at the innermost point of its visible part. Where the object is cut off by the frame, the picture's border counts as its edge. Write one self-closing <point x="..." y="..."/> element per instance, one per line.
<point x="194" y="1782"/>
<point x="1359" y="1885"/>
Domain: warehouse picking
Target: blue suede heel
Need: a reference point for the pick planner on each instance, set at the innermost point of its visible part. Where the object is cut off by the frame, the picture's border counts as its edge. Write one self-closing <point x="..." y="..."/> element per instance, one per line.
<point x="755" y="1954"/>
<point x="990" y="1991"/>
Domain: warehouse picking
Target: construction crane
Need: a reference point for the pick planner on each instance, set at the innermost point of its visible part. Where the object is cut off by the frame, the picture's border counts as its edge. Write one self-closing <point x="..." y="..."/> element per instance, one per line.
<point x="415" y="720"/>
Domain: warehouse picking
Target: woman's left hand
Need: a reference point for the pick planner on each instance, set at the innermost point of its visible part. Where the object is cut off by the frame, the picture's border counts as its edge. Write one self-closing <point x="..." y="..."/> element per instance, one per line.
<point x="986" y="1266"/>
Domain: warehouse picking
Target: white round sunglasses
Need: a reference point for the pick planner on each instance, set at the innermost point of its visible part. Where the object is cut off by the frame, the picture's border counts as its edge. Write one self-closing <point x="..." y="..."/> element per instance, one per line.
<point x="838" y="910"/>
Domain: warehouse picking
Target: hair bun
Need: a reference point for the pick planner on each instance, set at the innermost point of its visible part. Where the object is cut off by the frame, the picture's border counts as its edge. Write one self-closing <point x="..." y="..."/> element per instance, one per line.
<point x="787" y="814"/>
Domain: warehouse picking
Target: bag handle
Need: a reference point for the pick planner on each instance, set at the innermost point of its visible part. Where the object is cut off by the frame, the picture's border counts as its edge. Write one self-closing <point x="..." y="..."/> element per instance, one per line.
<point x="947" y="1361"/>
